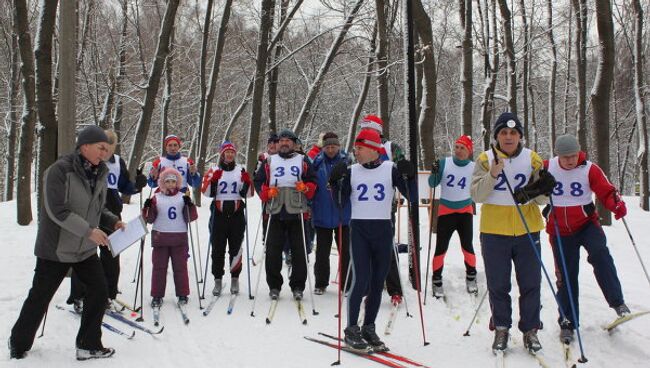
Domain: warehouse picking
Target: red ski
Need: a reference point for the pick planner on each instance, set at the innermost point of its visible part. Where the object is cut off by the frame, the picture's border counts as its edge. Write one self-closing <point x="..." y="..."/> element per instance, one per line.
<point x="361" y="354"/>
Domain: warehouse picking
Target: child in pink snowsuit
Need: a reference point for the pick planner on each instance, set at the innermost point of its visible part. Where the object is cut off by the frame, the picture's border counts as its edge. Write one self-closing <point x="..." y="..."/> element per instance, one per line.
<point x="169" y="211"/>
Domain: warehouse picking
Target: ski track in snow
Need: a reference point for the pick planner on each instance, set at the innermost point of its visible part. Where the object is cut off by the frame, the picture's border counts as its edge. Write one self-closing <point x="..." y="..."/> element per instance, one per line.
<point x="239" y="340"/>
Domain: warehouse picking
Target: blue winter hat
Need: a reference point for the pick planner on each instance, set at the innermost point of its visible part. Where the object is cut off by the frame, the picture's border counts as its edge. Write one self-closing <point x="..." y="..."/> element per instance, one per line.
<point x="507" y="120"/>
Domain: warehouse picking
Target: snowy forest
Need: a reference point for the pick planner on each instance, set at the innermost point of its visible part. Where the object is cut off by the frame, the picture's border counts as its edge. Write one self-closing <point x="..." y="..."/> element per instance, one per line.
<point x="207" y="70"/>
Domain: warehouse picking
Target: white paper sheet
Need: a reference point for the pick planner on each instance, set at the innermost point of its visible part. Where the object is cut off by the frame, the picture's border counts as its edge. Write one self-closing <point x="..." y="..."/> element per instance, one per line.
<point x="120" y="240"/>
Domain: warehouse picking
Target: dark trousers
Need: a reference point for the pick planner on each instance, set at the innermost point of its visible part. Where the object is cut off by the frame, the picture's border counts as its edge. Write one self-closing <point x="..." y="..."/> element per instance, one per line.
<point x="499" y="253"/>
<point x="593" y="239"/>
<point x="279" y="229"/>
<point x="323" y="246"/>
<point x="371" y="244"/>
<point x="48" y="276"/>
<point x="393" y="285"/>
<point x="160" y="257"/>
<point x="447" y="225"/>
<point x="227" y="230"/>
<point x="111" y="266"/>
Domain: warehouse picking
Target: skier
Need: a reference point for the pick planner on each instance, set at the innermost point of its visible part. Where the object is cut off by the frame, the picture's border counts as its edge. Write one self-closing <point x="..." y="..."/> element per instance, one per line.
<point x="456" y="211"/>
<point x="170" y="212"/>
<point x="174" y="159"/>
<point x="574" y="213"/>
<point x="118" y="182"/>
<point x="285" y="183"/>
<point x="392" y="152"/>
<point x="504" y="239"/>
<point x="327" y="216"/>
<point x="228" y="183"/>
<point x="74" y="190"/>
<point x="369" y="186"/>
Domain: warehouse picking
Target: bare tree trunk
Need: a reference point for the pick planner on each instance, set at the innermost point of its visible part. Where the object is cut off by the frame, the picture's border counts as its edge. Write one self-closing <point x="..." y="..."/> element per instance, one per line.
<point x="362" y="95"/>
<point x="214" y="77"/>
<point x="84" y="33"/>
<point x="639" y="101"/>
<point x="66" y="107"/>
<point x="167" y="94"/>
<point x="533" y="118"/>
<point x="466" y="76"/>
<point x="506" y="20"/>
<point x="600" y="93"/>
<point x="487" y="106"/>
<point x="567" y="80"/>
<point x="382" y="64"/>
<point x="258" y="89"/>
<point x="105" y="117"/>
<point x="526" y="59"/>
<point x="202" y="66"/>
<point x="121" y="75"/>
<point x="580" y="9"/>
<point x="427" y="118"/>
<point x="47" y="133"/>
<point x="274" y="74"/>
<point x="26" y="143"/>
<point x="12" y="118"/>
<point x="316" y="85"/>
<point x="152" y="86"/>
<point x="551" y="83"/>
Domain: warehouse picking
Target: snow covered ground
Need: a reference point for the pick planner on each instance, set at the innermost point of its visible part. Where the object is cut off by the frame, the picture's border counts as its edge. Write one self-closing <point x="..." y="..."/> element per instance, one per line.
<point x="239" y="340"/>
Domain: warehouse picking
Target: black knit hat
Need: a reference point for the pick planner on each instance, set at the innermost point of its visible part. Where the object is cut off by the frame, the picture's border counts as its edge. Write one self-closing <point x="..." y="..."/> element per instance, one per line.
<point x="91" y="134"/>
<point x="273" y="138"/>
<point x="286" y="133"/>
<point x="507" y="120"/>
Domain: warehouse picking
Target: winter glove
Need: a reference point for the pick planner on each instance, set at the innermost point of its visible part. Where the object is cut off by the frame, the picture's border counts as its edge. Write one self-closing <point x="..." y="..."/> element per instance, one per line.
<point x="406" y="168"/>
<point x="187" y="200"/>
<point x="543" y="186"/>
<point x="140" y="180"/>
<point x="301" y="187"/>
<point x="147" y="203"/>
<point x="268" y="193"/>
<point x="620" y="210"/>
<point x="339" y="172"/>
<point x="435" y="167"/>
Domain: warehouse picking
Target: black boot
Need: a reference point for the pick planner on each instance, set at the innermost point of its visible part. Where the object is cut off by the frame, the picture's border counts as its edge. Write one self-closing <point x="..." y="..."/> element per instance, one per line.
<point x="354" y="340"/>
<point x="368" y="333"/>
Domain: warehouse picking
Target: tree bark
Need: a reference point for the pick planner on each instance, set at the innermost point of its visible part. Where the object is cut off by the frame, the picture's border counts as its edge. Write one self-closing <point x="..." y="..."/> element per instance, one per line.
<point x="552" y="80"/>
<point x="526" y="60"/>
<point x="12" y="118"/>
<point x="274" y="74"/>
<point x="28" y="120"/>
<point x="151" y="91"/>
<point x="466" y="76"/>
<point x="258" y="89"/>
<point x="567" y="80"/>
<point x="203" y="60"/>
<point x="487" y="106"/>
<point x="47" y="132"/>
<point x="639" y="102"/>
<point x="316" y="85"/>
<point x="506" y="20"/>
<point x="121" y="76"/>
<point x="580" y="10"/>
<point x="382" y="64"/>
<point x="600" y="93"/>
<point x="167" y="94"/>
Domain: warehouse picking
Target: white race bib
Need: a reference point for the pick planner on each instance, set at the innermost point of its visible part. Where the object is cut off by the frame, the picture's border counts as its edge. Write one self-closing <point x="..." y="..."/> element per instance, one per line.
<point x="517" y="170"/>
<point x="170" y="213"/>
<point x="372" y="191"/>
<point x="572" y="186"/>
<point x="456" y="181"/>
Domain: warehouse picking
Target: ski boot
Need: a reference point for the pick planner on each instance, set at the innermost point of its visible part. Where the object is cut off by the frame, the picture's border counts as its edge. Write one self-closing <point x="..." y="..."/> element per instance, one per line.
<point x="182" y="300"/>
<point x="156" y="302"/>
<point x="297" y="295"/>
<point x="234" y="286"/>
<point x="396" y="299"/>
<point x="622" y="310"/>
<point x="217" y="287"/>
<point x="14" y="353"/>
<point x="470" y="283"/>
<point x="438" y="291"/>
<point x="354" y="340"/>
<point x="531" y="341"/>
<point x="319" y="290"/>
<point x="274" y="294"/>
<point x="566" y="335"/>
<point x="368" y="333"/>
<point x="78" y="306"/>
<point x="83" y="354"/>
<point x="500" y="339"/>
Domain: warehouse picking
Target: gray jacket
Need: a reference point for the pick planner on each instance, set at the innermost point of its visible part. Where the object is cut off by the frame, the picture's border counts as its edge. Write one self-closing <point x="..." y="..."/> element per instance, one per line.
<point x="71" y="210"/>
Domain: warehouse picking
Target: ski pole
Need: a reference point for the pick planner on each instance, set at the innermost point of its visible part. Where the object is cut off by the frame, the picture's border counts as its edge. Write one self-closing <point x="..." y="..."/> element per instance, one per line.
<point x="426" y="277"/>
<point x="480" y="304"/>
<point x="565" y="272"/>
<point x="414" y="233"/>
<point x="257" y="232"/>
<point x="399" y="277"/>
<point x="248" y="255"/>
<point x="340" y="251"/>
<point x="636" y="250"/>
<point x="259" y="272"/>
<point x="44" y="320"/>
<point x="198" y="240"/>
<point x="304" y="243"/>
<point x="205" y="276"/>
<point x="135" y="270"/>
<point x="196" y="276"/>
<point x="141" y="275"/>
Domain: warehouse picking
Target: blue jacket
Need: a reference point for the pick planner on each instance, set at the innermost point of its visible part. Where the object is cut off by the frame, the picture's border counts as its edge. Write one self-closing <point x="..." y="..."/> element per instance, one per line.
<point x="326" y="213"/>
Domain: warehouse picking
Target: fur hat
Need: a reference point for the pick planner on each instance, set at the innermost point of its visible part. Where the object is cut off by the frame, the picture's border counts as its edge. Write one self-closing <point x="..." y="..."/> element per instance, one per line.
<point x="170" y="173"/>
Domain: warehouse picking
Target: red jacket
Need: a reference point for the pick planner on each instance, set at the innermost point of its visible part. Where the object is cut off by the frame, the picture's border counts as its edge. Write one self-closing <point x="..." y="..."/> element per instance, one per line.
<point x="571" y="219"/>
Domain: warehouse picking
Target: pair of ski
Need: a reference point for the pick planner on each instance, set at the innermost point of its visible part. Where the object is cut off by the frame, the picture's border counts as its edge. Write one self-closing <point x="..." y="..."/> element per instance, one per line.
<point x="382" y="357"/>
<point x="120" y="318"/>
<point x="105" y="325"/>
<point x="215" y="299"/>
<point x="182" y="308"/>
<point x="500" y="361"/>
<point x="299" y="306"/>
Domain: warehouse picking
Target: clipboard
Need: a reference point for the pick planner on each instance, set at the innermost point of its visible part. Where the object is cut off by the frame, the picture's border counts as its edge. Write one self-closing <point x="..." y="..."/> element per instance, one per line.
<point x="120" y="240"/>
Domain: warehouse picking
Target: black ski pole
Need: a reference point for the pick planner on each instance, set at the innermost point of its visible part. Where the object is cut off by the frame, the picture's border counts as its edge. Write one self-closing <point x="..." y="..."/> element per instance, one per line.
<point x="205" y="274"/>
<point x="43" y="327"/>
<point x="196" y="275"/>
<point x="565" y="272"/>
<point x="248" y="254"/>
<point x="426" y="278"/>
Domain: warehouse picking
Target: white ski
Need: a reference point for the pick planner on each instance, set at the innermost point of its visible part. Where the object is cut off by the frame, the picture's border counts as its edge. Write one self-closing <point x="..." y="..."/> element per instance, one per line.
<point x="182" y="307"/>
<point x="156" y="316"/>
<point x="391" y="319"/>
<point x="213" y="301"/>
<point x="272" y="308"/>
<point x="231" y="304"/>
<point x="301" y="312"/>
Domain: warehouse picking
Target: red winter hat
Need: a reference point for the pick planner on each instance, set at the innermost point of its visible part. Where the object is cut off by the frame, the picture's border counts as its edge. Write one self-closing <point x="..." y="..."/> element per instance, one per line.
<point x="372" y="122"/>
<point x="170" y="138"/>
<point x="370" y="139"/>
<point x="225" y="146"/>
<point x="466" y="141"/>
